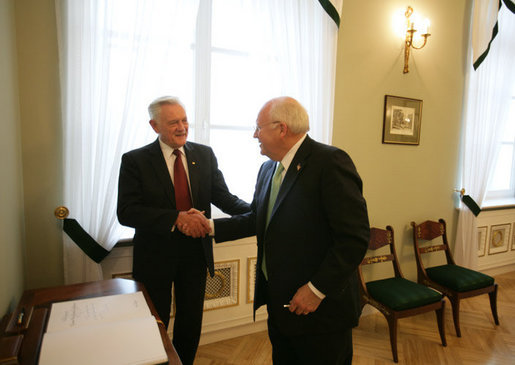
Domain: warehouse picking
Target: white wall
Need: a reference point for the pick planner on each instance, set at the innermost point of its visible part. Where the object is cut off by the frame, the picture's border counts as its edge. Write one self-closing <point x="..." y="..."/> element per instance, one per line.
<point x="41" y="133"/>
<point x="402" y="183"/>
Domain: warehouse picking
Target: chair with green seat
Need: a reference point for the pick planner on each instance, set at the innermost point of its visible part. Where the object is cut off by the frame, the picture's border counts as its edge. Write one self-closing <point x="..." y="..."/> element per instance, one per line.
<point x="396" y="297"/>
<point x="454" y="281"/>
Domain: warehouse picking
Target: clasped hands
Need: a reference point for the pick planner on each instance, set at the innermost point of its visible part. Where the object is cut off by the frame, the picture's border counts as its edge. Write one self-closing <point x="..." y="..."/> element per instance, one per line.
<point x="193" y="223"/>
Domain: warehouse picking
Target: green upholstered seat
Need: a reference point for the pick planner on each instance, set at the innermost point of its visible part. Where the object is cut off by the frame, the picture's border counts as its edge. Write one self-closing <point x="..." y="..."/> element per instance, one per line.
<point x="397" y="297"/>
<point x="400" y="294"/>
<point x="459" y="278"/>
<point x="455" y="281"/>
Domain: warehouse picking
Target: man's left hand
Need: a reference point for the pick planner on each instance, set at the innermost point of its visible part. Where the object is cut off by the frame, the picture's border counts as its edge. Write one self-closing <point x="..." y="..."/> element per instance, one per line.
<point x="304" y="301"/>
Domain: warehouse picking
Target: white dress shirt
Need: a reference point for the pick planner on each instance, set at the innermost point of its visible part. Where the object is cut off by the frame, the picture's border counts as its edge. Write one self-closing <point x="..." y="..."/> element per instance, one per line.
<point x="170" y="160"/>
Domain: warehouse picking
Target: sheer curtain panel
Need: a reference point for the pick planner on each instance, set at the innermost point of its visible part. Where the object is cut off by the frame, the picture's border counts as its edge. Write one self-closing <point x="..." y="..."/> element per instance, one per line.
<point x="106" y="48"/>
<point x="487" y="102"/>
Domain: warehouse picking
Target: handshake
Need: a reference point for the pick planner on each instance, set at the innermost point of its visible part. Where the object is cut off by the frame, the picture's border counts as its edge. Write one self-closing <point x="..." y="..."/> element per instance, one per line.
<point x="193" y="223"/>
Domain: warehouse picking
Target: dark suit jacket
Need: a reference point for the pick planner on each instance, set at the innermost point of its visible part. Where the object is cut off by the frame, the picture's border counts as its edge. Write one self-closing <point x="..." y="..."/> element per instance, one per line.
<point x="318" y="232"/>
<point x="146" y="201"/>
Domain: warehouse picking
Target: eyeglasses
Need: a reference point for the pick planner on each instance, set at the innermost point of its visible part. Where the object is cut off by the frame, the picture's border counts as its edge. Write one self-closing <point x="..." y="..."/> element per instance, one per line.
<point x="259" y="128"/>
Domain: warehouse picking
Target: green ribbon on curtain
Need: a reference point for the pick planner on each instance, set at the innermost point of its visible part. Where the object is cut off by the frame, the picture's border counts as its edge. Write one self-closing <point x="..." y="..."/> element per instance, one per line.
<point x="331" y="11"/>
<point x="82" y="239"/>
<point x="510" y="4"/>
<point x="485" y="53"/>
<point x="471" y="204"/>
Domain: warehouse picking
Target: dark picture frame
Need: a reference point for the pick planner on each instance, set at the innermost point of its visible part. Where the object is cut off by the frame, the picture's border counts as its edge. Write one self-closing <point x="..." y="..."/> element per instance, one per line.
<point x="402" y="120"/>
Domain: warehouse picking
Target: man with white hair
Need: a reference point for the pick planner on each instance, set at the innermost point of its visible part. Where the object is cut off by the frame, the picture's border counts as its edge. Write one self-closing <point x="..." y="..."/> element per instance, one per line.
<point x="163" y="189"/>
<point x="312" y="230"/>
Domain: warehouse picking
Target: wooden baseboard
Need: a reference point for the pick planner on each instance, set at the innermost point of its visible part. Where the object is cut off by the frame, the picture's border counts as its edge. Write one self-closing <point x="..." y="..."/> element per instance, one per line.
<point x="499" y="270"/>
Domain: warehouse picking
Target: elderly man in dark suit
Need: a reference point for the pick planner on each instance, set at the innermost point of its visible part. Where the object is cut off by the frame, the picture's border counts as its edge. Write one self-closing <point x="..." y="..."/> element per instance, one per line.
<point x="312" y="230"/>
<point x="163" y="189"/>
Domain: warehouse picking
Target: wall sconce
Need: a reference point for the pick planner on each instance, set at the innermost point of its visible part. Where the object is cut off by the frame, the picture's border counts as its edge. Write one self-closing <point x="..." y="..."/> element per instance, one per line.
<point x="410" y="30"/>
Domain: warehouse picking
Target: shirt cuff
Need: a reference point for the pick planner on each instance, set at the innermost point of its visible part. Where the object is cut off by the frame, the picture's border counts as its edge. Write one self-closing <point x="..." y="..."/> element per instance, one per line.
<point x="317" y="292"/>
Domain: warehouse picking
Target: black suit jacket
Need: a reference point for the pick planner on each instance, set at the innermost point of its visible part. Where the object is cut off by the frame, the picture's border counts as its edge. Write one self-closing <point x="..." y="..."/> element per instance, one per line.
<point x="146" y="201"/>
<point x="318" y="232"/>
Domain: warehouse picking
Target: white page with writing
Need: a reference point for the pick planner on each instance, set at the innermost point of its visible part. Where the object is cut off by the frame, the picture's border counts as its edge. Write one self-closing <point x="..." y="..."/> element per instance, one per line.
<point x="130" y="342"/>
<point x="83" y="312"/>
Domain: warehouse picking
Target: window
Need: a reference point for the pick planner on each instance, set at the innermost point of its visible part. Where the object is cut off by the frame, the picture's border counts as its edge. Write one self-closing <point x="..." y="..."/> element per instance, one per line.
<point x="501" y="184"/>
<point x="219" y="56"/>
<point x="223" y="58"/>
<point x="489" y="143"/>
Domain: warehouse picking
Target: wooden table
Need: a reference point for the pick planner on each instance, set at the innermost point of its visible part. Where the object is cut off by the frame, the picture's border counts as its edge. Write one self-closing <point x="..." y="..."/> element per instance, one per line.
<point x="35" y="305"/>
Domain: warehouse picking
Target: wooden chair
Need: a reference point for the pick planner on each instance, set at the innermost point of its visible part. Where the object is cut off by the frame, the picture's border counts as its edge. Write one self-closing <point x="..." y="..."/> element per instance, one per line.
<point x="397" y="297"/>
<point x="455" y="282"/>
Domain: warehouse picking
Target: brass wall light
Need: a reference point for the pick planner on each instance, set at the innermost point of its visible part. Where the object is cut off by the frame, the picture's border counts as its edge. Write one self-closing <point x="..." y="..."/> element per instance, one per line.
<point x="411" y="28"/>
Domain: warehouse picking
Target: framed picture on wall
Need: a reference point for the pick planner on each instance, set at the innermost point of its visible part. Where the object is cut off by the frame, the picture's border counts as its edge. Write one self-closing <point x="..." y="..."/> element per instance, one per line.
<point x="499" y="237"/>
<point x="402" y="119"/>
<point x="481" y="241"/>
<point x="222" y="290"/>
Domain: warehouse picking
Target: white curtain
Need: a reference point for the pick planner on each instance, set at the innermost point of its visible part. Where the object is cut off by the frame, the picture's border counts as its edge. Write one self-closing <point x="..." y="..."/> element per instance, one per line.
<point x="487" y="102"/>
<point x="484" y="19"/>
<point x="105" y="48"/>
<point x="118" y="55"/>
<point x="307" y="44"/>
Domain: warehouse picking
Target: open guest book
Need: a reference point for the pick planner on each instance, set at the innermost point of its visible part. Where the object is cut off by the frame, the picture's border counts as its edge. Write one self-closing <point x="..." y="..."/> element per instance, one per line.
<point x="113" y="329"/>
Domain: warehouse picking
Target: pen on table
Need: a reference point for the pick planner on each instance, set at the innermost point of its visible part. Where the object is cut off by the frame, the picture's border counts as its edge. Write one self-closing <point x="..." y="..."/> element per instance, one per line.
<point x="20" y="316"/>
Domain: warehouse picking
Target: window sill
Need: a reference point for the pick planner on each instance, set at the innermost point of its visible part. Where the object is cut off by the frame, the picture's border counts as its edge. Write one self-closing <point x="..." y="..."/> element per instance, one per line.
<point x="500" y="203"/>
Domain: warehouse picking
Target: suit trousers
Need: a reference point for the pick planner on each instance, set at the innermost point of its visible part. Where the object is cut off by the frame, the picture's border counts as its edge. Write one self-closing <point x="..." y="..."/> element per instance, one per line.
<point x="332" y="348"/>
<point x="187" y="272"/>
<point x="328" y="348"/>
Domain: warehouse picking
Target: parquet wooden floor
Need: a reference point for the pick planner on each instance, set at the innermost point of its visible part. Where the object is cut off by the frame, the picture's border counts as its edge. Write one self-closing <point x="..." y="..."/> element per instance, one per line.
<point x="482" y="342"/>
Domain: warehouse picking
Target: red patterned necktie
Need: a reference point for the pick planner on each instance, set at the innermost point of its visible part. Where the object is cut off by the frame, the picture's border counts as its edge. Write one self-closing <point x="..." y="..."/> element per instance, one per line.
<point x="180" y="181"/>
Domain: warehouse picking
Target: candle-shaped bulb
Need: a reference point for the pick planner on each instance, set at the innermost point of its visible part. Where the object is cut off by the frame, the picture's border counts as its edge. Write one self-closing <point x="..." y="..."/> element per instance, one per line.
<point x="427" y="23"/>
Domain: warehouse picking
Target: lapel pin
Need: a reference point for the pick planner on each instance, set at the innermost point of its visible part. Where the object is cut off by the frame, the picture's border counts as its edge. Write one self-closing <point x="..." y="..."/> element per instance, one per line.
<point x="193" y="162"/>
<point x="298" y="167"/>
